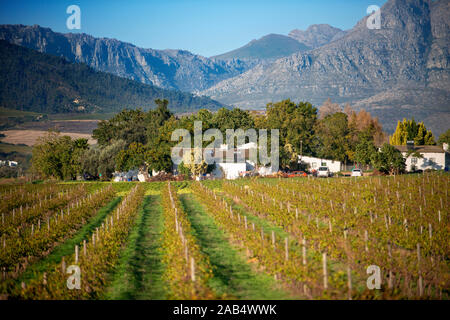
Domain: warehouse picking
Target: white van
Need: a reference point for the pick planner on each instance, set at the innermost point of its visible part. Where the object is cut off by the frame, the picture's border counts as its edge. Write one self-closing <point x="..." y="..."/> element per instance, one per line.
<point x="323" y="172"/>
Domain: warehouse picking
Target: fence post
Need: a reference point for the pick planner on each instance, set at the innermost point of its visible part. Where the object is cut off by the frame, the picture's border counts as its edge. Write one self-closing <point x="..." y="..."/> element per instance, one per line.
<point x="286" y="248"/>
<point x="349" y="278"/>
<point x="273" y="238"/>
<point x="366" y="238"/>
<point x="192" y="270"/>
<point x="420" y="284"/>
<point x="304" y="251"/>
<point x="325" y="272"/>
<point x="430" y="230"/>
<point x="390" y="282"/>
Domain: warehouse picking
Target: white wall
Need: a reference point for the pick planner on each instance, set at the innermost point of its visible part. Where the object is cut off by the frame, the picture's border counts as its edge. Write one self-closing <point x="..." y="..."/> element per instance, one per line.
<point x="429" y="161"/>
<point x="315" y="163"/>
<point x="232" y="170"/>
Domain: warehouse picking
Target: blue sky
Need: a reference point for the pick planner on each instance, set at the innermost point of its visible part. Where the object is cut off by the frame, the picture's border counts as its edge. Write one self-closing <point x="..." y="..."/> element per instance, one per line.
<point x="205" y="27"/>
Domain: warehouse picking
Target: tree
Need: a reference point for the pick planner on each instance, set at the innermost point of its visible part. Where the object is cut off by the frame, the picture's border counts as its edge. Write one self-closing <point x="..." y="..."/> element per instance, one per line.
<point x="196" y="168"/>
<point x="362" y="126"/>
<point x="364" y="152"/>
<point x="388" y="160"/>
<point x="288" y="157"/>
<point x="333" y="137"/>
<point x="328" y="108"/>
<point x="232" y="119"/>
<point x="155" y="119"/>
<point x="184" y="170"/>
<point x="445" y="137"/>
<point x="133" y="157"/>
<point x="158" y="156"/>
<point x="127" y="125"/>
<point x="409" y="130"/>
<point x="101" y="161"/>
<point x="58" y="156"/>
<point x="296" y="123"/>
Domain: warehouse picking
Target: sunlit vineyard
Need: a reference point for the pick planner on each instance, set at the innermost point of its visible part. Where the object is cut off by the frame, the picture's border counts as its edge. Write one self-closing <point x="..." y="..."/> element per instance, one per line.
<point x="258" y="238"/>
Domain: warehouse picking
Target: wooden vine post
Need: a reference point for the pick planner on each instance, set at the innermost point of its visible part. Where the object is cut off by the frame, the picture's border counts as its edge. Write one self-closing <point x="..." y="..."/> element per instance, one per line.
<point x="325" y="271"/>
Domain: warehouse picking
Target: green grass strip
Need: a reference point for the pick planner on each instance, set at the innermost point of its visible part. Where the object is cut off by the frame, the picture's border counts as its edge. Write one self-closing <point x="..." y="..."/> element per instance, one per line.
<point x="67" y="248"/>
<point x="232" y="274"/>
<point x="138" y="274"/>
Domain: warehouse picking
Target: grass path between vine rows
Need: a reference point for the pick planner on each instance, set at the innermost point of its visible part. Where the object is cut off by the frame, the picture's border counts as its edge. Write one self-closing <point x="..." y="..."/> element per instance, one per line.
<point x="67" y="247"/>
<point x="232" y="275"/>
<point x="138" y="275"/>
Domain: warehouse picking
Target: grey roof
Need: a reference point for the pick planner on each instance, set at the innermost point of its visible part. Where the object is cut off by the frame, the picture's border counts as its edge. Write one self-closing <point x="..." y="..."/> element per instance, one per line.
<point x="422" y="149"/>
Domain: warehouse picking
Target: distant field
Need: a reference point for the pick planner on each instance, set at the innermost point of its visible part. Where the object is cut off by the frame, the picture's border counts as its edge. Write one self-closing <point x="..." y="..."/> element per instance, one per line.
<point x="8" y="148"/>
<point x="21" y="127"/>
<point x="30" y="137"/>
<point x="78" y="116"/>
<point x="70" y="126"/>
<point x="4" y="112"/>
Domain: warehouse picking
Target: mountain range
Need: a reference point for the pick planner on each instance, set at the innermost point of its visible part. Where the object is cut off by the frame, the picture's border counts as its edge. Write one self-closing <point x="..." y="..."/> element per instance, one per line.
<point x="400" y="70"/>
<point x="34" y="81"/>
<point x="169" y="69"/>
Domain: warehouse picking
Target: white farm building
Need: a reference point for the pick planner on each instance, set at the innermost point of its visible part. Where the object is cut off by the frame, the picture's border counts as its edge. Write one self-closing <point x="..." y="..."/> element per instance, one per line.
<point x="433" y="157"/>
<point x="313" y="163"/>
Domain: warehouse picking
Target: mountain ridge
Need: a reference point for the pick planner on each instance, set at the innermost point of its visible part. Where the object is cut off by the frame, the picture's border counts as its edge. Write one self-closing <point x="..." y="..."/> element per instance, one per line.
<point x="34" y="81"/>
<point x="403" y="54"/>
<point x="169" y="69"/>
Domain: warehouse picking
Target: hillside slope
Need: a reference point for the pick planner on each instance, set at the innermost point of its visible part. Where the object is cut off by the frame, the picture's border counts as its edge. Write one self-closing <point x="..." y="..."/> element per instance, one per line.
<point x="169" y="69"/>
<point x="32" y="81"/>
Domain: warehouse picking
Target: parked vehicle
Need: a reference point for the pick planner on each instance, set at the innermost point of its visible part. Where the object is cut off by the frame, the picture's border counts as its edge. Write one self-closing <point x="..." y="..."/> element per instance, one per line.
<point x="294" y="174"/>
<point x="356" y="173"/>
<point x="323" y="172"/>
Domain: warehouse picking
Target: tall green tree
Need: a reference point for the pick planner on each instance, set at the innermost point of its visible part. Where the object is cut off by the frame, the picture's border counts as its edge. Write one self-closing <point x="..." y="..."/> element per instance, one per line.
<point x="389" y="160"/>
<point x="409" y="130"/>
<point x="127" y="125"/>
<point x="134" y="157"/>
<point x="232" y="119"/>
<point x="100" y="161"/>
<point x="56" y="156"/>
<point x="333" y="137"/>
<point x="155" y="119"/>
<point x="445" y="137"/>
<point x="296" y="123"/>
<point x="364" y="152"/>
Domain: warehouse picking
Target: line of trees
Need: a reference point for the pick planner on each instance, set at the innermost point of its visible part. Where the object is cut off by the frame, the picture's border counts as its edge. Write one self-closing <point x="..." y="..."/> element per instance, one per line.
<point x="134" y="139"/>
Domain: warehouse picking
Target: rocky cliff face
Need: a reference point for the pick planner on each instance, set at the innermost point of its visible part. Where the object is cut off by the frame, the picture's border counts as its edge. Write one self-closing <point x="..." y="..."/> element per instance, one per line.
<point x="409" y="52"/>
<point x="317" y="35"/>
<point x="171" y="69"/>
